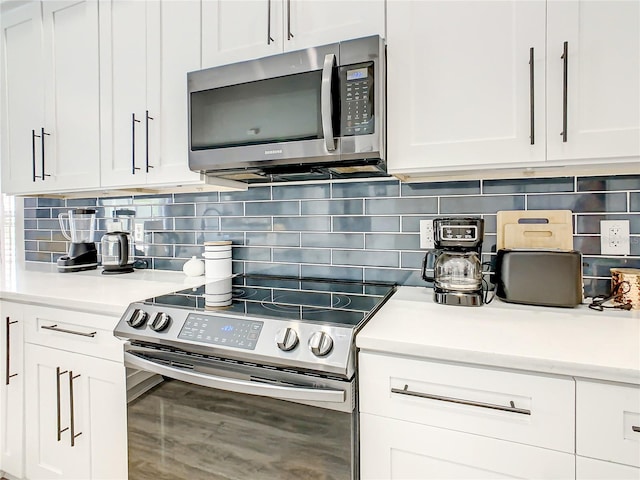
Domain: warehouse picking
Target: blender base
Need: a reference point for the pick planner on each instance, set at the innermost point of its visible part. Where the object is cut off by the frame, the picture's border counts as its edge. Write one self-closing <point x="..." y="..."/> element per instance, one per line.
<point x="465" y="299"/>
<point x="81" y="256"/>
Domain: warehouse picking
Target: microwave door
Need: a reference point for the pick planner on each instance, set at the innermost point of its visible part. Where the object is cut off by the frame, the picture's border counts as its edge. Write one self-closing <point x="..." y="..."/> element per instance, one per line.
<point x="266" y="112"/>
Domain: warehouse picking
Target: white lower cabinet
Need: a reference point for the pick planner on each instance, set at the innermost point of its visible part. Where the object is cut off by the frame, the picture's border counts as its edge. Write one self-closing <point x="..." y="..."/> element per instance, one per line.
<point x="435" y="420"/>
<point x="607" y="430"/>
<point x="12" y="391"/>
<point x="396" y="449"/>
<point x="75" y="396"/>
<point x="76" y="416"/>
<point x="590" y="469"/>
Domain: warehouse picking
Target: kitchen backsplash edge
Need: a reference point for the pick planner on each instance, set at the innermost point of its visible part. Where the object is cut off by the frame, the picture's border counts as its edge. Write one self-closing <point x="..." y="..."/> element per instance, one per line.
<point x="361" y="230"/>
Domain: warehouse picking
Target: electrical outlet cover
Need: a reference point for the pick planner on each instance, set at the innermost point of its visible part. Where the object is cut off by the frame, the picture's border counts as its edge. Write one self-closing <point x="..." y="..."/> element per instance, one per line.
<point x="614" y="237"/>
<point x="426" y="234"/>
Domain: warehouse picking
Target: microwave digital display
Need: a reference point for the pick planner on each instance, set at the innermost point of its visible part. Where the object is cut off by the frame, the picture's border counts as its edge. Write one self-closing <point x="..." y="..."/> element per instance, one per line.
<point x="357" y="74"/>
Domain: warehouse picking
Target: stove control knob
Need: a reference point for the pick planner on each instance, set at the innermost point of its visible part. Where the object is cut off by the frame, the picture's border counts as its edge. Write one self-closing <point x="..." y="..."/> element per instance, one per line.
<point x="160" y="322"/>
<point x="138" y="318"/>
<point x="320" y="344"/>
<point x="287" y="339"/>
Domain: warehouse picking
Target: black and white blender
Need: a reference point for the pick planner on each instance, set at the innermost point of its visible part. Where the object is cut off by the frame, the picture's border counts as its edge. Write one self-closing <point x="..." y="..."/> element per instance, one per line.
<point x="457" y="265"/>
<point x="83" y="254"/>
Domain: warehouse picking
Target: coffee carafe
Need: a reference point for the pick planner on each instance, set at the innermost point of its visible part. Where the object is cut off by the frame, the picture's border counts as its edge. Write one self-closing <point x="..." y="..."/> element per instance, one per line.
<point x="456" y="259"/>
<point x="117" y="245"/>
<point x="83" y="254"/>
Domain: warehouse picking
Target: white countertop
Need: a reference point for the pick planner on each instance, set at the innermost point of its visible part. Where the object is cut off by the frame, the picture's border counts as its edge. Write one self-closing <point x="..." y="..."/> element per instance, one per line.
<point x="42" y="284"/>
<point x="576" y="341"/>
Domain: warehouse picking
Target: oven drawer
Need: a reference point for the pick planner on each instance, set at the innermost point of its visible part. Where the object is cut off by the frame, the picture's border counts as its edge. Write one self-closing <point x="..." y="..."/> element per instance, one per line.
<point x="608" y="422"/>
<point x="79" y="332"/>
<point x="525" y="408"/>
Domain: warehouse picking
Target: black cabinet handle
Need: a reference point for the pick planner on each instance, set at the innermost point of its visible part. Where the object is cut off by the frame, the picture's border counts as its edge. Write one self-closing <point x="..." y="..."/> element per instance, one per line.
<point x="133" y="144"/>
<point x="146" y="136"/>
<point x="532" y="114"/>
<point x="289" y="34"/>
<point x="33" y="154"/>
<point x="269" y="38"/>
<point x="565" y="88"/>
<point x="72" y="416"/>
<point x="8" y="372"/>
<point x="59" y="372"/>
<point x="42" y="135"/>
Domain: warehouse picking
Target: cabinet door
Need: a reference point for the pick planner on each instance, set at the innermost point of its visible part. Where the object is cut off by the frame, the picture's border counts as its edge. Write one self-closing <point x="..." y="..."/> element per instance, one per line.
<point x="22" y="98"/>
<point x="11" y="391"/>
<point x="123" y="54"/>
<point x="173" y="39"/>
<point x="410" y="451"/>
<point x="237" y="30"/>
<point x="72" y="101"/>
<point x="602" y="79"/>
<point x="75" y="416"/>
<point x="310" y="23"/>
<point x="460" y="86"/>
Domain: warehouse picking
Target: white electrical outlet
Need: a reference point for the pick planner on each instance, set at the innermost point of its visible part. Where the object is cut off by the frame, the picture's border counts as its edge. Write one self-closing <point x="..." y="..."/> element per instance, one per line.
<point x="426" y="234"/>
<point x="614" y="237"/>
<point x="138" y="233"/>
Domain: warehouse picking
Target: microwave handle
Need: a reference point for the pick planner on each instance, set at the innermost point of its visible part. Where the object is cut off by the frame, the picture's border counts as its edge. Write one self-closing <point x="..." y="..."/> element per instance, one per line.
<point x="326" y="107"/>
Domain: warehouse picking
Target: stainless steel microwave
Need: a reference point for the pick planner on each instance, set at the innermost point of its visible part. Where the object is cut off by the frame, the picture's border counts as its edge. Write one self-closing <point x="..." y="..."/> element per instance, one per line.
<point x="314" y="113"/>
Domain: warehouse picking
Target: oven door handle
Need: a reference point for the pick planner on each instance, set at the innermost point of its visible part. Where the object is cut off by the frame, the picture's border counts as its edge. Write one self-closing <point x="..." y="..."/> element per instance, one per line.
<point x="236" y="385"/>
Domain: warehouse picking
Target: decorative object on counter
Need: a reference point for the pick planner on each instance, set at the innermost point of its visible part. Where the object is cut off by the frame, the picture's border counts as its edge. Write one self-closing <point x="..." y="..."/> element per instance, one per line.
<point x="83" y="254"/>
<point x="193" y="267"/>
<point x="617" y="291"/>
<point x="629" y="294"/>
<point x="548" y="229"/>
<point x="457" y="269"/>
<point x="118" y="248"/>
<point x="217" y="259"/>
<point x="551" y="278"/>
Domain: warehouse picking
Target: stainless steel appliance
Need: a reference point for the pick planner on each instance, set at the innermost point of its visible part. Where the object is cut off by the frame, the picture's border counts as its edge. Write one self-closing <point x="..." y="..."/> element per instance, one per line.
<point x="539" y="277"/>
<point x="457" y="266"/>
<point x="82" y="254"/>
<point x="309" y="114"/>
<point x="117" y="245"/>
<point x="261" y="386"/>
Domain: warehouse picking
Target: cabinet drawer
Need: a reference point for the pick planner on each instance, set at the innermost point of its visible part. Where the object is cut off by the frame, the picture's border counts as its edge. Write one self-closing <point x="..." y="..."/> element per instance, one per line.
<point x="79" y="332"/>
<point x="418" y="452"/>
<point x="530" y="409"/>
<point x="608" y="422"/>
<point x="590" y="469"/>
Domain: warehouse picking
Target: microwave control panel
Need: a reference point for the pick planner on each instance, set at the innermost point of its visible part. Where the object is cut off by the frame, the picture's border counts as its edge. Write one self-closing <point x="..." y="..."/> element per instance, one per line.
<point x="357" y="85"/>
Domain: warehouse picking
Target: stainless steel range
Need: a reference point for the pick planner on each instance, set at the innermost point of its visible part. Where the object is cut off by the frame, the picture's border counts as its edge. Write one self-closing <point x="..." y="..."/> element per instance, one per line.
<point x="258" y="378"/>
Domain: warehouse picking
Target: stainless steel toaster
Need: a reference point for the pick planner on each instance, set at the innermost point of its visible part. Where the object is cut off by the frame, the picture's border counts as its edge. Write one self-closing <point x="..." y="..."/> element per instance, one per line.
<point x="539" y="277"/>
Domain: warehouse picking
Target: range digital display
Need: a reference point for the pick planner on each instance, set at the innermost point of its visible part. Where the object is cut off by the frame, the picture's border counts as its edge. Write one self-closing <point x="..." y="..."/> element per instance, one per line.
<point x="231" y="332"/>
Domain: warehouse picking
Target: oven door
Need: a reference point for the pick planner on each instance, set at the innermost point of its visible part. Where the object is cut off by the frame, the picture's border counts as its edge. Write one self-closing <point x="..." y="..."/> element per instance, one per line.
<point x="212" y="418"/>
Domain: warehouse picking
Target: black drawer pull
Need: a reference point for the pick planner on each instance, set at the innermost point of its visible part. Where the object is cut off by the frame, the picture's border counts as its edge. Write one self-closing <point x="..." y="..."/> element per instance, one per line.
<point x="55" y="328"/>
<point x="492" y="406"/>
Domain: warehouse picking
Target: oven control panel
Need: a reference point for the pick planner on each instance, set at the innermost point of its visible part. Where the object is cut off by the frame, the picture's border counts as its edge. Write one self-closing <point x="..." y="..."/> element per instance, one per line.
<point x="232" y="332"/>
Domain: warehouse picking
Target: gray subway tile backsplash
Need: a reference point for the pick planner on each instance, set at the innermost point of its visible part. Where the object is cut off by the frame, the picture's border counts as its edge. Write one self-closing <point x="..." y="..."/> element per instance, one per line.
<point x="351" y="230"/>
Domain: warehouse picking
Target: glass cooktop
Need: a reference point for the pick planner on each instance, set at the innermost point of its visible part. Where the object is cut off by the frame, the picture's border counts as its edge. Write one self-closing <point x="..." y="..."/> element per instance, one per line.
<point x="341" y="302"/>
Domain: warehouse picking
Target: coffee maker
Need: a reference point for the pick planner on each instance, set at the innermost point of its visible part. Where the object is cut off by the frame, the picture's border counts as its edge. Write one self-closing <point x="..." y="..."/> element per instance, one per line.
<point x="457" y="265"/>
<point x="118" y="248"/>
<point x="83" y="254"/>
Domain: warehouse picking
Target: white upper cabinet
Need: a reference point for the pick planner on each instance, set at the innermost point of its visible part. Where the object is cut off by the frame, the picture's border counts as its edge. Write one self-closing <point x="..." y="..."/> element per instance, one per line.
<point x="462" y="88"/>
<point x="146" y="50"/>
<point x="22" y="97"/>
<point x="602" y="79"/>
<point x="466" y="84"/>
<point x="51" y="90"/>
<point x="235" y="30"/>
